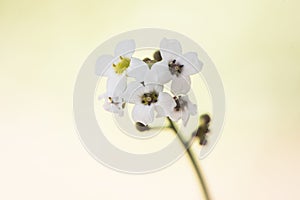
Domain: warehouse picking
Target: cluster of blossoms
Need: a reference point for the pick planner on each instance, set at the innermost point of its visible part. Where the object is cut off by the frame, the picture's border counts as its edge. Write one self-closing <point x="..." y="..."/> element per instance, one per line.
<point x="142" y="82"/>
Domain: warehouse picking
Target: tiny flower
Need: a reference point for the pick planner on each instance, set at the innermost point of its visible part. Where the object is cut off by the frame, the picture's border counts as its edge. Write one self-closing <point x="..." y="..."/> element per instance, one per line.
<point x="116" y="67"/>
<point x="113" y="104"/>
<point x="183" y="109"/>
<point x="180" y="66"/>
<point x="150" y="72"/>
<point x="148" y="99"/>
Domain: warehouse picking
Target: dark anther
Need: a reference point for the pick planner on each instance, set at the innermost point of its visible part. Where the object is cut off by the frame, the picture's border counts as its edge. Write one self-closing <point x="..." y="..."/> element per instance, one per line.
<point x="146" y="60"/>
<point x="141" y="127"/>
<point x="157" y="56"/>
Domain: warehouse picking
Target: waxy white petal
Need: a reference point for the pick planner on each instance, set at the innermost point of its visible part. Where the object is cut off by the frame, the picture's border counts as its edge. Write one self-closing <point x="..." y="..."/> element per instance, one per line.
<point x="116" y="85"/>
<point x="133" y="92"/>
<point x="170" y="49"/>
<point x="104" y="65"/>
<point x="137" y="69"/>
<point x="113" y="108"/>
<point x="175" y="115"/>
<point x="165" y="103"/>
<point x="191" y="63"/>
<point x="191" y="108"/>
<point x="161" y="70"/>
<point x="150" y="87"/>
<point x="180" y="84"/>
<point x="125" y="48"/>
<point x="185" y="117"/>
<point x="143" y="113"/>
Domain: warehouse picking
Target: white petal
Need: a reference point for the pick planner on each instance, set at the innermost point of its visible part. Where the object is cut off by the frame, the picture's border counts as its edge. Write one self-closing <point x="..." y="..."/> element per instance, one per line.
<point x="137" y="69"/>
<point x="175" y="115"/>
<point x="143" y="113"/>
<point x="125" y="48"/>
<point x="160" y="112"/>
<point x="113" y="108"/>
<point x="150" y="77"/>
<point x="170" y="49"/>
<point x="166" y="102"/>
<point x="133" y="92"/>
<point x="116" y="85"/>
<point x="161" y="69"/>
<point x="192" y="108"/>
<point x="180" y="84"/>
<point x="192" y="64"/>
<point x="149" y="87"/>
<point x="185" y="117"/>
<point x="103" y="65"/>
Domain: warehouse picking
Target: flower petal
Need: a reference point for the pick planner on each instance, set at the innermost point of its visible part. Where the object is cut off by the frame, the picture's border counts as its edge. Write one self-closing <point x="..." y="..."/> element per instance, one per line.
<point x="116" y="85"/>
<point x="103" y="65"/>
<point x="133" y="92"/>
<point x="161" y="69"/>
<point x="175" y="115"/>
<point x="170" y="49"/>
<point x="149" y="87"/>
<point x="125" y="48"/>
<point x="192" y="65"/>
<point x="137" y="69"/>
<point x="143" y="113"/>
<point x="160" y="112"/>
<point x="180" y="84"/>
<point x="192" y="108"/>
<point x="113" y="108"/>
<point x="166" y="102"/>
<point x="185" y="117"/>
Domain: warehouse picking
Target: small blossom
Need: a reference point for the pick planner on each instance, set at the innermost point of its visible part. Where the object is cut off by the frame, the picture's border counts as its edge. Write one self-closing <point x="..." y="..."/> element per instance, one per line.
<point x="113" y="104"/>
<point x="180" y="66"/>
<point x="150" y="72"/>
<point x="183" y="109"/>
<point x="148" y="99"/>
<point x="115" y="67"/>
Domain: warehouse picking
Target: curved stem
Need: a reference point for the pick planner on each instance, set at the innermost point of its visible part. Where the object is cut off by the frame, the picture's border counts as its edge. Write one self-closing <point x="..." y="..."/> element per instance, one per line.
<point x="192" y="159"/>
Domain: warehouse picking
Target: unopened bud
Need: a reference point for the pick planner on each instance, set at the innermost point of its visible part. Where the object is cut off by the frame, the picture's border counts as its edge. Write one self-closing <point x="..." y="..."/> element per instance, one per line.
<point x="141" y="127"/>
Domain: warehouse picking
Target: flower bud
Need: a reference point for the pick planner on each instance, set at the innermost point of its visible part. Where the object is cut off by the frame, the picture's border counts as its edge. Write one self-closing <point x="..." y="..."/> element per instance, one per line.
<point x="157" y="56"/>
<point x="141" y="127"/>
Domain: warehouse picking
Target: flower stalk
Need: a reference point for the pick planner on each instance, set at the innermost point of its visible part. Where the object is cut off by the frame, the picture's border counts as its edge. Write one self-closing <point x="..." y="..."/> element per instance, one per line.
<point x="192" y="159"/>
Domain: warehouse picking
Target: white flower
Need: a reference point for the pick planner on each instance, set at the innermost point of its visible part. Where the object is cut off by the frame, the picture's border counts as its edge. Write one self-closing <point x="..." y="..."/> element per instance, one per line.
<point x="113" y="104"/>
<point x="181" y="66"/>
<point x="157" y="73"/>
<point x="116" y="67"/>
<point x="148" y="98"/>
<point x="183" y="109"/>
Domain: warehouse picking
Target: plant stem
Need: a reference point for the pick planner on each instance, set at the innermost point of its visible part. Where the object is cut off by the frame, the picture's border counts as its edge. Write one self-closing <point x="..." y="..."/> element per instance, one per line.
<point x="192" y="159"/>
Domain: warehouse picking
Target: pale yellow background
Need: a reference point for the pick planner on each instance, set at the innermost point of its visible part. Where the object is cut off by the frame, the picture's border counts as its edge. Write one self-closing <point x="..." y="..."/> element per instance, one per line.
<point x="255" y="46"/>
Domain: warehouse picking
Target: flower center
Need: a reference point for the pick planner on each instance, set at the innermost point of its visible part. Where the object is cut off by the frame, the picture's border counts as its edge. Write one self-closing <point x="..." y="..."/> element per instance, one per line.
<point x="175" y="68"/>
<point x="149" y="98"/>
<point x="122" y="65"/>
<point x="116" y="102"/>
<point x="180" y="103"/>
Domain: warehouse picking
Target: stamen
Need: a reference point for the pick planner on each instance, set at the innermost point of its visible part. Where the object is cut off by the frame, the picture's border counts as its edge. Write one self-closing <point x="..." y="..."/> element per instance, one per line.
<point x="175" y="68"/>
<point x="180" y="103"/>
<point x="149" y="98"/>
<point x="122" y="65"/>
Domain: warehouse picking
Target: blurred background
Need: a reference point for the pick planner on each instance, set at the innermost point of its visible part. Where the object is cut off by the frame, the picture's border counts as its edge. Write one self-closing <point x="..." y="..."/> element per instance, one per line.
<point x="255" y="46"/>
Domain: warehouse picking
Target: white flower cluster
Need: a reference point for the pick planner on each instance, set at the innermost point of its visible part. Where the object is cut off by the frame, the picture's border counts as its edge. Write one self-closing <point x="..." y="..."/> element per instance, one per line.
<point x="131" y="80"/>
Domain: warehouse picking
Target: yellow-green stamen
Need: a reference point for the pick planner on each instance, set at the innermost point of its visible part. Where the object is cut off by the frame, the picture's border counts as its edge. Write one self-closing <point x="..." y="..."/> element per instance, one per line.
<point x="121" y="66"/>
